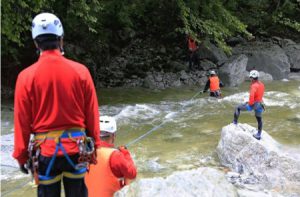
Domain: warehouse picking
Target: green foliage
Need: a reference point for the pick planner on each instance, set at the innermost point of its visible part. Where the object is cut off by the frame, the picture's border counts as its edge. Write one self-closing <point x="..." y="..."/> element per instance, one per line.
<point x="270" y="16"/>
<point x="96" y="30"/>
<point x="210" y="19"/>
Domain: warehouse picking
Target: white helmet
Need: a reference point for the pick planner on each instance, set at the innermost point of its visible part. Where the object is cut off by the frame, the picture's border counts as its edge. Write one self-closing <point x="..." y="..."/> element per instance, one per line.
<point x="107" y="125"/>
<point x="46" y="23"/>
<point x="212" y="72"/>
<point x="254" y="74"/>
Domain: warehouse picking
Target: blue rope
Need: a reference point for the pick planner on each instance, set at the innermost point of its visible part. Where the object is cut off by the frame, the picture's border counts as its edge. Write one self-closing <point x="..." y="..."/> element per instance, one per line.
<point x="52" y="160"/>
<point x="66" y="155"/>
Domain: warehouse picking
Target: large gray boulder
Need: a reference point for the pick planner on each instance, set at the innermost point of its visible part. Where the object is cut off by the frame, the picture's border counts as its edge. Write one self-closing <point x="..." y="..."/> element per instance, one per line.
<point x="262" y="162"/>
<point x="204" y="182"/>
<point x="211" y="52"/>
<point x="293" y="53"/>
<point x="232" y="73"/>
<point x="266" y="57"/>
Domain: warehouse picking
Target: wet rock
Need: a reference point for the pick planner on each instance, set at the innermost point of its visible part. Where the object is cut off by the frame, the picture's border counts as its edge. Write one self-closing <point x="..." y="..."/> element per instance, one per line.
<point x="204" y="182"/>
<point x="207" y="65"/>
<point x="247" y="193"/>
<point x="293" y="53"/>
<point x="295" y="76"/>
<point x="232" y="72"/>
<point x="260" y="162"/>
<point x="209" y="51"/>
<point x="267" y="57"/>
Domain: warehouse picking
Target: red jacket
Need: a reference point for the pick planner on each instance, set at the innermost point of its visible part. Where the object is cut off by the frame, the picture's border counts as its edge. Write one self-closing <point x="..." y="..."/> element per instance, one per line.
<point x="192" y="44"/>
<point x="55" y="93"/>
<point x="257" y="90"/>
<point x="121" y="163"/>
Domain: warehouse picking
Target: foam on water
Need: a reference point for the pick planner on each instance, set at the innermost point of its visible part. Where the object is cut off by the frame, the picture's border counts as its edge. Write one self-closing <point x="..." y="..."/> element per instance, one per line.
<point x="236" y="98"/>
<point x="142" y="111"/>
<point x="271" y="98"/>
<point x="8" y="163"/>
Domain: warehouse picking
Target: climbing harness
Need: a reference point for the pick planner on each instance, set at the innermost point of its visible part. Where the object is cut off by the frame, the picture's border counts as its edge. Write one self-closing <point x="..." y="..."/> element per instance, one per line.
<point x="32" y="163"/>
<point x="86" y="153"/>
<point x="85" y="144"/>
<point x="160" y="125"/>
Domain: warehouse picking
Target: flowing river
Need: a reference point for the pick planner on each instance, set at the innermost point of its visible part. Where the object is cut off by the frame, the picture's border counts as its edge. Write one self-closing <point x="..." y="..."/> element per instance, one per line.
<point x="188" y="136"/>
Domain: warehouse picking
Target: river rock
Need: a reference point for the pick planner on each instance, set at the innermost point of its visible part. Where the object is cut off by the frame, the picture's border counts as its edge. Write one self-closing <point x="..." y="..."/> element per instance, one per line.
<point x="266" y="57"/>
<point x="264" y="162"/>
<point x="209" y="51"/>
<point x="293" y="53"/>
<point x="204" y="182"/>
<point x="232" y="73"/>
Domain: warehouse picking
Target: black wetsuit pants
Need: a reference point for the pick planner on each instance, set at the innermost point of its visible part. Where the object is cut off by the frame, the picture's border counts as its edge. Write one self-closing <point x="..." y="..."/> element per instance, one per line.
<point x="245" y="107"/>
<point x="73" y="187"/>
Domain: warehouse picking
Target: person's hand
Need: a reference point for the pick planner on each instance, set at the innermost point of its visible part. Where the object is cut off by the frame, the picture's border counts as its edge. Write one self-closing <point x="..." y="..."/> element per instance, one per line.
<point x="23" y="168"/>
<point x="123" y="150"/>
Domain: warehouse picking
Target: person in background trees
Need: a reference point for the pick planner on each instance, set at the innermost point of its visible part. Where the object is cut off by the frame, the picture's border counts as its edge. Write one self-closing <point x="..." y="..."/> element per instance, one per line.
<point x="257" y="89"/>
<point x="213" y="84"/>
<point x="55" y="100"/>
<point x="193" y="53"/>
<point x="114" y="168"/>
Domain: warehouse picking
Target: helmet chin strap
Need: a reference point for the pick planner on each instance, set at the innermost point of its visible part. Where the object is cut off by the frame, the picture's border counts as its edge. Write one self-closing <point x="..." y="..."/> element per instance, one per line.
<point x="61" y="46"/>
<point x="62" y="50"/>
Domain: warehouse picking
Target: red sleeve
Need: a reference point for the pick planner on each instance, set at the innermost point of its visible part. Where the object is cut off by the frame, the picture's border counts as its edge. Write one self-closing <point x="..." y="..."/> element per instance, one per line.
<point x="22" y="121"/>
<point x="122" y="165"/>
<point x="252" y="93"/>
<point x="91" y="110"/>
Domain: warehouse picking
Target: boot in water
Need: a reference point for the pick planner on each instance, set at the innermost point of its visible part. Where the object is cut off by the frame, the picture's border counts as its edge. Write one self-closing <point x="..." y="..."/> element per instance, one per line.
<point x="257" y="135"/>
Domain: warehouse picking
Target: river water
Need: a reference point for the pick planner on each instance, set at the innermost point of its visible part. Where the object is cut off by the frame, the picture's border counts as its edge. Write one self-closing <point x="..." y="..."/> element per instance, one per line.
<point x="189" y="132"/>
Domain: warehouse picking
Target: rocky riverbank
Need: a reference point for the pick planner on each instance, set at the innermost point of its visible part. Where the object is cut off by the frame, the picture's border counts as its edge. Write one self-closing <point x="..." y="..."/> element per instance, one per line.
<point x="145" y="63"/>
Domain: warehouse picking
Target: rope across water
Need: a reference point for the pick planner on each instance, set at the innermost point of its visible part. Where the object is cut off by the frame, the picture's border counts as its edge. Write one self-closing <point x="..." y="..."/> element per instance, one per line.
<point x="158" y="126"/>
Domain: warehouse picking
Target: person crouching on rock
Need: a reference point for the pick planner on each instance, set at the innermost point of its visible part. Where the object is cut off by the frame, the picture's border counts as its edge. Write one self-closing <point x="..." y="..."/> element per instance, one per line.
<point x="257" y="90"/>
<point x="114" y="168"/>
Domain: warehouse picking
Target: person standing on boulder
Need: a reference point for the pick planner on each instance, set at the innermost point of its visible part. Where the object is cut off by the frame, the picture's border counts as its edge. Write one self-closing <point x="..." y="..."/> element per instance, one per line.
<point x="214" y="84"/>
<point x="255" y="102"/>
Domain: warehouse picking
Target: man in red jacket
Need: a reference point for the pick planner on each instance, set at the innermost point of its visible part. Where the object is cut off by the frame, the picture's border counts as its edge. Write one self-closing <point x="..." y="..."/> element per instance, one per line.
<point x="114" y="168"/>
<point x="255" y="102"/>
<point x="193" y="50"/>
<point x="55" y="100"/>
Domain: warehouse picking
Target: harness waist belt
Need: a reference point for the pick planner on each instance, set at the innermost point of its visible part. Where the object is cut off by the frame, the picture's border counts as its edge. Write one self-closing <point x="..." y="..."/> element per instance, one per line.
<point x="69" y="133"/>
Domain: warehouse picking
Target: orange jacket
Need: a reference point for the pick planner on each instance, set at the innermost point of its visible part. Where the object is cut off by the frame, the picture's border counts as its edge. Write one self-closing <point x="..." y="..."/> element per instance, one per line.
<point x="214" y="83"/>
<point x="55" y="93"/>
<point x="257" y="90"/>
<point x="101" y="180"/>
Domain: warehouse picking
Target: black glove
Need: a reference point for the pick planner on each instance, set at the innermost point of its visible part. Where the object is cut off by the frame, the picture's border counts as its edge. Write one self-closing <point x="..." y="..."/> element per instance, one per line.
<point x="23" y="168"/>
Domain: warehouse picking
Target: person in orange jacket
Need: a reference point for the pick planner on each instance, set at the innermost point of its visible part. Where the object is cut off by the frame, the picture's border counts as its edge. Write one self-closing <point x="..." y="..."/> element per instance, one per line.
<point x="213" y="84"/>
<point x="255" y="102"/>
<point x="55" y="100"/>
<point x="115" y="167"/>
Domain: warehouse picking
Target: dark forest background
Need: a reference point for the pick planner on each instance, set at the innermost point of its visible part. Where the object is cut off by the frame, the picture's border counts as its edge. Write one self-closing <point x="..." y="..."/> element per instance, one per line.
<point x="98" y="30"/>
